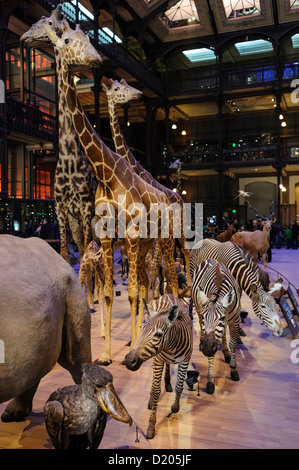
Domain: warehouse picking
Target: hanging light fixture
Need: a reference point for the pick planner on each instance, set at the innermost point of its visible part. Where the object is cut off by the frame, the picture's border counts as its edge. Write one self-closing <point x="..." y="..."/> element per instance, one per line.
<point x="184" y="132"/>
<point x="174" y="126"/>
<point x="283" y="124"/>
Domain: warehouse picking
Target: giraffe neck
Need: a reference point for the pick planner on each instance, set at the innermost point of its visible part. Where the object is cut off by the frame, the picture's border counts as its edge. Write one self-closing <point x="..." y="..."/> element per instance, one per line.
<point x="101" y="158"/>
<point x="121" y="146"/>
<point x="68" y="141"/>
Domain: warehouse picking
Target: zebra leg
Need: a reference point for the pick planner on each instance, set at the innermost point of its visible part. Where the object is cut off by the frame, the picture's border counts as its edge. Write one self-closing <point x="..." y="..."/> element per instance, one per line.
<point x="225" y="348"/>
<point x="234" y="334"/>
<point x="154" y="397"/>
<point x="101" y="300"/>
<point x="211" y="378"/>
<point x="182" y="371"/>
<point x="168" y="386"/>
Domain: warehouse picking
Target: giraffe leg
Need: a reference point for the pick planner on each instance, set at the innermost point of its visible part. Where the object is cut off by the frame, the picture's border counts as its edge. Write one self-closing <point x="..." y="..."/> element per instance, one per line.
<point x="77" y="233"/>
<point x="99" y="283"/>
<point x="84" y="278"/>
<point x="107" y="244"/>
<point x="87" y="213"/>
<point x="143" y="281"/>
<point x="133" y="250"/>
<point x="61" y="215"/>
<point x="167" y="246"/>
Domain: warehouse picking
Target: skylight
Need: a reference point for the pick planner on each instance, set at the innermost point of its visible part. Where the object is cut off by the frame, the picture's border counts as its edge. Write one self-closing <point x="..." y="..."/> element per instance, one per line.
<point x="110" y="33"/>
<point x="254" y="47"/>
<point x="183" y="13"/>
<point x="295" y="40"/>
<point x="83" y="9"/>
<point x="294" y="3"/>
<point x="240" y="8"/>
<point x="200" y="55"/>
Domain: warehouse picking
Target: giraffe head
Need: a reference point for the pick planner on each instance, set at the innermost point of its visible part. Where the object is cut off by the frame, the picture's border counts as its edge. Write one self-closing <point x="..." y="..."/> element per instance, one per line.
<point x="119" y="92"/>
<point x="38" y="31"/>
<point x="75" y="46"/>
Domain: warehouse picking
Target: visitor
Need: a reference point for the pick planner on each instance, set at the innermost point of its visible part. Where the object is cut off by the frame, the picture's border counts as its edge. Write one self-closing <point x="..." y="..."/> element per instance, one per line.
<point x="46" y="232"/>
<point x="288" y="237"/>
<point x="277" y="229"/>
<point x="28" y="230"/>
<point x="295" y="231"/>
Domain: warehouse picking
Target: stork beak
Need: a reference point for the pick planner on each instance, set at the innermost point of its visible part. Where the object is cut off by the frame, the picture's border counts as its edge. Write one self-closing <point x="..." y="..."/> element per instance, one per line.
<point x="109" y="401"/>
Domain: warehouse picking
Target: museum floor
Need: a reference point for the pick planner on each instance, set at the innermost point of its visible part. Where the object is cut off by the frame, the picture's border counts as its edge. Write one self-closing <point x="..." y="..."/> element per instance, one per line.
<point x="261" y="411"/>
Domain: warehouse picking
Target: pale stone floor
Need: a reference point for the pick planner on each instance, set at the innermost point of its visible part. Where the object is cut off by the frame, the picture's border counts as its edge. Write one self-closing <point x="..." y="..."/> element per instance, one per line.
<point x="261" y="411"/>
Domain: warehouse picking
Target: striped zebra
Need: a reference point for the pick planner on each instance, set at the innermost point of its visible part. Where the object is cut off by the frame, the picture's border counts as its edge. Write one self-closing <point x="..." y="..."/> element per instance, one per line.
<point x="167" y="337"/>
<point x="250" y="277"/>
<point x="217" y="299"/>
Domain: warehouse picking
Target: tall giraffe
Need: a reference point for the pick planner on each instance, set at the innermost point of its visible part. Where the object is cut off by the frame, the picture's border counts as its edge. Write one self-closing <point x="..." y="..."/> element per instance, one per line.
<point x="74" y="185"/>
<point x="119" y="92"/>
<point x="119" y="187"/>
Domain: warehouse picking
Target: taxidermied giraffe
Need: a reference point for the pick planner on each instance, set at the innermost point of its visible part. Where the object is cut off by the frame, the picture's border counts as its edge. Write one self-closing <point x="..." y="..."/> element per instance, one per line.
<point x="119" y="92"/>
<point x="93" y="262"/>
<point x="119" y="188"/>
<point x="74" y="185"/>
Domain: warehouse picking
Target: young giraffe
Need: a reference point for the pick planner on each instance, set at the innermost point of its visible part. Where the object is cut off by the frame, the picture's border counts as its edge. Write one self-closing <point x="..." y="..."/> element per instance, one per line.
<point x="93" y="262"/>
<point x="121" y="93"/>
<point x="120" y="188"/>
<point x="74" y="185"/>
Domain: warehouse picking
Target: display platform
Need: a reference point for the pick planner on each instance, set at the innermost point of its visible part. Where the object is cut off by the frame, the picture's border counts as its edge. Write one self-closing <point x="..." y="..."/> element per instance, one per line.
<point x="261" y="411"/>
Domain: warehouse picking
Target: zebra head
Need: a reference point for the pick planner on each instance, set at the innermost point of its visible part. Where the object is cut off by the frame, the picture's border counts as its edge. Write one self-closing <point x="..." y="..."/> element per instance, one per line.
<point x="264" y="307"/>
<point x="214" y="315"/>
<point x="153" y="336"/>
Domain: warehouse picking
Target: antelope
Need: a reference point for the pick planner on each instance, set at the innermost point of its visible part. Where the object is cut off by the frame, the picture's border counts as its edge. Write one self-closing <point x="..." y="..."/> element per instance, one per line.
<point x="259" y="240"/>
<point x="227" y="235"/>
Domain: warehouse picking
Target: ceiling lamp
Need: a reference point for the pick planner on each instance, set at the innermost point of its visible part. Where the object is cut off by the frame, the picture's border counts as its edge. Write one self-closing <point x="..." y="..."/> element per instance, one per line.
<point x="184" y="132"/>
<point x="283" y="124"/>
<point x="174" y="126"/>
<point x="281" y="117"/>
<point x="184" y="192"/>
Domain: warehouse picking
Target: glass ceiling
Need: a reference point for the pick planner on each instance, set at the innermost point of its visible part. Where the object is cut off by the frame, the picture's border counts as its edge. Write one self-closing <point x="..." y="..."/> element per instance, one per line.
<point x="200" y="55"/>
<point x="254" y="47"/>
<point x="240" y="8"/>
<point x="294" y="3"/>
<point x="183" y="13"/>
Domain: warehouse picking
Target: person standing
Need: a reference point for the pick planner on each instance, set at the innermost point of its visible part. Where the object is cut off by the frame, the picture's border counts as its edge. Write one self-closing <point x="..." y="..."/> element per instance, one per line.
<point x="295" y="231"/>
<point x="288" y="236"/>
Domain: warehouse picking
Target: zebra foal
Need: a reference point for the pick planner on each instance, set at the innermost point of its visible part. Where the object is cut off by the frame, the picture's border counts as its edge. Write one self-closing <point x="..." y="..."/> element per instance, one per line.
<point x="167" y="337"/>
<point x="217" y="299"/>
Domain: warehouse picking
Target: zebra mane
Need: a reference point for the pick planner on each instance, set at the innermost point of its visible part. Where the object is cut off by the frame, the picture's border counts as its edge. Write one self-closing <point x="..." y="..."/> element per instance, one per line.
<point x="262" y="276"/>
<point x="164" y="303"/>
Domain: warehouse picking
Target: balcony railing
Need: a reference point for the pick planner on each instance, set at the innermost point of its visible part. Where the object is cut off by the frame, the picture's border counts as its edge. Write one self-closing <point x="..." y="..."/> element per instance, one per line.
<point x="29" y="120"/>
<point x="232" y="79"/>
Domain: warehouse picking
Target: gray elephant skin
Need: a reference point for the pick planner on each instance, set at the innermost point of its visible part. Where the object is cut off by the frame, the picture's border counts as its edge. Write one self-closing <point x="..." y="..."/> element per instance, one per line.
<point x="44" y="319"/>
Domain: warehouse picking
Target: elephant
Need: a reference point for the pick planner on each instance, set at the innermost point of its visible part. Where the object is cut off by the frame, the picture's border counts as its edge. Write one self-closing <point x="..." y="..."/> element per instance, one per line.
<point x="44" y="319"/>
